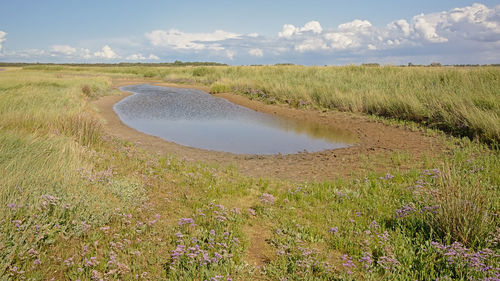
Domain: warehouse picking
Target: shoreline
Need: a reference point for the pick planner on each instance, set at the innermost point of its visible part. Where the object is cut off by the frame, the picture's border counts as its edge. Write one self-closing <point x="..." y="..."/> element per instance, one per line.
<point x="374" y="138"/>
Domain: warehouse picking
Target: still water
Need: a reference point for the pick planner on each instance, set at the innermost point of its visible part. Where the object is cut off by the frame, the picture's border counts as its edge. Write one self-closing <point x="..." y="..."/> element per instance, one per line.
<point x="194" y="118"/>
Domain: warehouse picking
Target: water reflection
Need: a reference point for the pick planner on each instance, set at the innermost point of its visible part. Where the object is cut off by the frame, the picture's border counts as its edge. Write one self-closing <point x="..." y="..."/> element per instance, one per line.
<point x="197" y="119"/>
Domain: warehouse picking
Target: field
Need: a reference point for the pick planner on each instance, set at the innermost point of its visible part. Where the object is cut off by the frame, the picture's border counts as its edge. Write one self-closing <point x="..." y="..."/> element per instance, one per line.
<point x="79" y="203"/>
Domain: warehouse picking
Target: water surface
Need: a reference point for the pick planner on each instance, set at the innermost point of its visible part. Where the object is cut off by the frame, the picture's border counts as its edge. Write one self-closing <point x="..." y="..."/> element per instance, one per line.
<point x="194" y="118"/>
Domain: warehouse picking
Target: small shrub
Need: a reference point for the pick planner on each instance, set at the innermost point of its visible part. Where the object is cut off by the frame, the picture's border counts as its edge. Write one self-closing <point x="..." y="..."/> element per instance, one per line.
<point x="84" y="128"/>
<point x="201" y="71"/>
<point x="452" y="208"/>
<point x="463" y="210"/>
<point x="86" y="90"/>
<point x="219" y="88"/>
<point x="149" y="74"/>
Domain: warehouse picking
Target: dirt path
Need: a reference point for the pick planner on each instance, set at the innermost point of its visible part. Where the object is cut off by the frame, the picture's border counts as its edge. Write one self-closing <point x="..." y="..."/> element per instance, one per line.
<point x="376" y="142"/>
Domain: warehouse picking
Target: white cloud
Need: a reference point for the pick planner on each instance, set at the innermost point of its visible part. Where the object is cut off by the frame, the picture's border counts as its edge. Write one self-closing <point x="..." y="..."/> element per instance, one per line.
<point x="62" y="50"/>
<point x="136" y="57"/>
<point x="356" y="26"/>
<point x="290" y="30"/>
<point x="341" y="41"/>
<point x="477" y="14"/>
<point x="465" y="34"/>
<point x="230" y="54"/>
<point x="401" y="26"/>
<point x="140" y="56"/>
<point x="476" y="22"/>
<point x="312" y="44"/>
<point x="106" y="53"/>
<point x="182" y="40"/>
<point x="426" y="25"/>
<point x="85" y="53"/>
<point x="472" y="23"/>
<point x="3" y="34"/>
<point x="256" y="52"/>
<point x="29" y="53"/>
<point x="312" y="26"/>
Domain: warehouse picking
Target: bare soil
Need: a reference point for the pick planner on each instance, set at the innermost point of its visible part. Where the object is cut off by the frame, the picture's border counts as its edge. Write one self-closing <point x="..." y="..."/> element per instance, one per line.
<point x="380" y="147"/>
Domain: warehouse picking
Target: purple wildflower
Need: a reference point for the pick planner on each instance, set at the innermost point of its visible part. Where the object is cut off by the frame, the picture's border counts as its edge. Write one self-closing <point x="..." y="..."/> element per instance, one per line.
<point x="348" y="263"/>
<point x="85" y="226"/>
<point x="91" y="262"/>
<point x="104" y="228"/>
<point x="405" y="211"/>
<point x="183" y="221"/>
<point x="384" y="236"/>
<point x="69" y="262"/>
<point x="32" y="252"/>
<point x="267" y="198"/>
<point x="154" y="220"/>
<point x="430" y="209"/>
<point x="96" y="275"/>
<point x="333" y="230"/>
<point x="366" y="260"/>
<point x="388" y="263"/>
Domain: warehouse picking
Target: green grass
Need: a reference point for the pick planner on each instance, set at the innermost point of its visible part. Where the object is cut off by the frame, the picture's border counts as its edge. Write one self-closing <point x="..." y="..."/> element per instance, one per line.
<point x="76" y="203"/>
<point x="458" y="100"/>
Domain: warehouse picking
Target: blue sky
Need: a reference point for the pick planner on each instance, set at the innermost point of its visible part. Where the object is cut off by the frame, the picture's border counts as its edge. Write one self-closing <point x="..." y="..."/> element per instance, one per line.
<point x="251" y="32"/>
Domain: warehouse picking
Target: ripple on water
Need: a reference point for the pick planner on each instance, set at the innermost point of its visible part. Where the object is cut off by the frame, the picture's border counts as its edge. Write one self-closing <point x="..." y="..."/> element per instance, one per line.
<point x="194" y="118"/>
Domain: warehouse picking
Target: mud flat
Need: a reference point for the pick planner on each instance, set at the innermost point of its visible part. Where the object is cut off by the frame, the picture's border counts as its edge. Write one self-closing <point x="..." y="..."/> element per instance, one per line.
<point x="374" y="140"/>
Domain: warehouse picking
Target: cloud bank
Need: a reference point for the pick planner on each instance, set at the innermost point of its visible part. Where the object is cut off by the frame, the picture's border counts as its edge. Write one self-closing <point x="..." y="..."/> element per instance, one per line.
<point x="3" y="34"/>
<point x="468" y="34"/>
<point x="449" y="35"/>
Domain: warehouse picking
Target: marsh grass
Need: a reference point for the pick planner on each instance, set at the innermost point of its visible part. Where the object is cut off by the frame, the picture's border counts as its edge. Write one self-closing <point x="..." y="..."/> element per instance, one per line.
<point x="76" y="203"/>
<point x="457" y="100"/>
<point x="464" y="213"/>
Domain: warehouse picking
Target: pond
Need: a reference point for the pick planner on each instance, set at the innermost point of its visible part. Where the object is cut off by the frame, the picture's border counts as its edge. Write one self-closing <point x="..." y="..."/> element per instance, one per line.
<point x="197" y="119"/>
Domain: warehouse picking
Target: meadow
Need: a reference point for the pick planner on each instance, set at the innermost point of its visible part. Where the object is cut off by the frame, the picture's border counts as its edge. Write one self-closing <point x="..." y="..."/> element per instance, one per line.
<point x="77" y="203"/>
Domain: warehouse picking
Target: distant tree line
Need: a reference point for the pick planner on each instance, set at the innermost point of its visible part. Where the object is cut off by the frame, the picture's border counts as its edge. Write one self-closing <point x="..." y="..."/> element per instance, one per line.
<point x="197" y="63"/>
<point x="438" y="64"/>
<point x="175" y="63"/>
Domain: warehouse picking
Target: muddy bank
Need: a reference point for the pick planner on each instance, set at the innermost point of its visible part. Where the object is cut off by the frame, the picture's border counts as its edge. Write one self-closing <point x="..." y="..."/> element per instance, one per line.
<point x="376" y="142"/>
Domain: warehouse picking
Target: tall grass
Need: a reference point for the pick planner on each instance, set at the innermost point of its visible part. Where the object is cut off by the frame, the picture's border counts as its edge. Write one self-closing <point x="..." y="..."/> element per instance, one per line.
<point x="44" y="128"/>
<point x="76" y="203"/>
<point x="463" y="212"/>
<point x="460" y="101"/>
<point x="464" y="102"/>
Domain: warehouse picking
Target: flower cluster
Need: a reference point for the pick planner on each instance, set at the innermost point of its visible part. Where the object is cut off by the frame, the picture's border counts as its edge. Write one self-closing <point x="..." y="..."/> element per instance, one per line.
<point x="204" y="243"/>
<point x="405" y="211"/>
<point x="267" y="199"/>
<point x="457" y="255"/>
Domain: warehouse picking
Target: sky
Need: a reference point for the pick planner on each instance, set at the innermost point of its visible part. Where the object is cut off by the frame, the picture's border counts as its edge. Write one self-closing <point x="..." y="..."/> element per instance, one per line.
<point x="237" y="32"/>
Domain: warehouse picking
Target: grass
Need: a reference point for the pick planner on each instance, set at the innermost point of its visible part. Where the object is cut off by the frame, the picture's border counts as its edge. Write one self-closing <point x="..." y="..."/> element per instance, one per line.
<point x="458" y="100"/>
<point x="76" y="203"/>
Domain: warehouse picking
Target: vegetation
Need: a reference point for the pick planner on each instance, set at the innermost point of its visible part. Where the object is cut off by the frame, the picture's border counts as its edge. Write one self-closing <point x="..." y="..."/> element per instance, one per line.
<point x="459" y="101"/>
<point x="76" y="203"/>
<point x="161" y="64"/>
